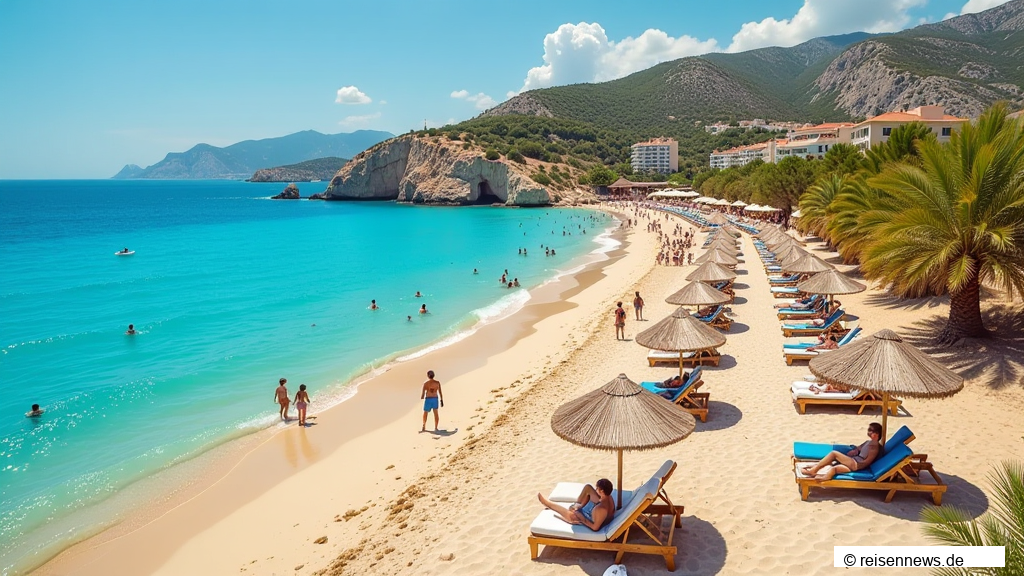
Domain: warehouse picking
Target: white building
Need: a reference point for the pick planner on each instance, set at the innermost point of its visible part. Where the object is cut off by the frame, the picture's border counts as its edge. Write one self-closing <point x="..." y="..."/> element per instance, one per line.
<point x="656" y="155"/>
<point x="813" y="142"/>
<point x="742" y="155"/>
<point x="874" y="131"/>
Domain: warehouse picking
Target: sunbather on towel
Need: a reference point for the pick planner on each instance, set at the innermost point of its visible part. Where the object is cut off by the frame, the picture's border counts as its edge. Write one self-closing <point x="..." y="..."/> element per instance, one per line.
<point x="857" y="459"/>
<point x="674" y="381"/>
<point x="818" y="389"/>
<point x="802" y="304"/>
<point x="593" y="509"/>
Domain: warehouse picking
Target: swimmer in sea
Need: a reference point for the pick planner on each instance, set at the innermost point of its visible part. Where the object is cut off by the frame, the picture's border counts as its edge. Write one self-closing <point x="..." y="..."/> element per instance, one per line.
<point x="35" y="412"/>
<point x="474" y="271"/>
<point x="408" y="318"/>
<point x="373" y="305"/>
<point x="515" y="282"/>
<point x="423" y="309"/>
<point x="131" y="330"/>
<point x="418" y="295"/>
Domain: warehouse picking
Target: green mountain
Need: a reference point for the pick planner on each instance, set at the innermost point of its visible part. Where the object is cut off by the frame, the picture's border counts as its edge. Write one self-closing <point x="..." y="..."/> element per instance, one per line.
<point x="964" y="63"/>
<point x="308" y="171"/>
<point x="240" y="160"/>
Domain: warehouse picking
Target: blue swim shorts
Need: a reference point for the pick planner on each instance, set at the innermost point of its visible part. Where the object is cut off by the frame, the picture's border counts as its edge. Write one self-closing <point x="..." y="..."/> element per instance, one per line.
<point x="430" y="404"/>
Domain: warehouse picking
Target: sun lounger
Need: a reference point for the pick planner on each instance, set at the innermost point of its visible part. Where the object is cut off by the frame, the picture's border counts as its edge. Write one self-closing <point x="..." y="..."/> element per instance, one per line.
<point x="793" y="353"/>
<point x="784" y="281"/>
<point x="710" y="357"/>
<point x="803" y="397"/>
<point x="638" y="514"/>
<point x="686" y="395"/>
<point x="569" y="492"/>
<point x="898" y="470"/>
<point x="811" y="451"/>
<point x="717" y="318"/>
<point x="810" y="329"/>
<point x="796" y="313"/>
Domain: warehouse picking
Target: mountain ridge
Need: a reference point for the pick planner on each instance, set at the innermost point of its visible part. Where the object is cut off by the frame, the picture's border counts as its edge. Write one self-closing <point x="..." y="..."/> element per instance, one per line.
<point x="240" y="160"/>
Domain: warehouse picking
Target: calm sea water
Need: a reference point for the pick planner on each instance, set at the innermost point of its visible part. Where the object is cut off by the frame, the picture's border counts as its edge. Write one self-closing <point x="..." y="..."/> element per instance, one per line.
<point x="229" y="291"/>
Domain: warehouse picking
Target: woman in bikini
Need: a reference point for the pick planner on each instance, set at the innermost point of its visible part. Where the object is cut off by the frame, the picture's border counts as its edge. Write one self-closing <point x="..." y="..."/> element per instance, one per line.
<point x="857" y="459"/>
<point x="301" y="402"/>
<point x="594" y="507"/>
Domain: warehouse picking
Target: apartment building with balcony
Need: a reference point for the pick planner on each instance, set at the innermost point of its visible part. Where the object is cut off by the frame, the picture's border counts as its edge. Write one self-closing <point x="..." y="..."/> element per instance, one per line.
<point x="742" y="155"/>
<point x="655" y="155"/>
<point x="813" y="142"/>
<point x="874" y="131"/>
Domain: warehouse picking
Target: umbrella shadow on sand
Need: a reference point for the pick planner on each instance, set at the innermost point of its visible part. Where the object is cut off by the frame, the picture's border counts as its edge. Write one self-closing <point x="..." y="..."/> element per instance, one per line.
<point x="721" y="415"/>
<point x="996" y="362"/>
<point x="894" y="303"/>
<point x="908" y="506"/>
<point x="738" y="328"/>
<point x="701" y="549"/>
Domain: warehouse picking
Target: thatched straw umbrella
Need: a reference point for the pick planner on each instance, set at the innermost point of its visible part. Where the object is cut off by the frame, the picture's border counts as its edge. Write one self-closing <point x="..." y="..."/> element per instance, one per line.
<point x="680" y="332"/>
<point x="711" y="272"/>
<point x="698" y="294"/>
<point x="883" y="363"/>
<point x="809" y="264"/>
<point x="717" y="218"/>
<point x="719" y="257"/>
<point x="727" y="247"/>
<point x="781" y="241"/>
<point x="792" y="255"/>
<point x="831" y="282"/>
<point x="621" y="416"/>
<point x="734" y="231"/>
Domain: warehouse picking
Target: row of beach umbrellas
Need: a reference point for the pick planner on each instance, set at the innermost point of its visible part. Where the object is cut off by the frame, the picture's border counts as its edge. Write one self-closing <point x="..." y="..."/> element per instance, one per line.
<point x="622" y="416"/>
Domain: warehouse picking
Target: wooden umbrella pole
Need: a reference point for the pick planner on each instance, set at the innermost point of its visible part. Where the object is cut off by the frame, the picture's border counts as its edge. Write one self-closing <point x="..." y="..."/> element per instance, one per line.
<point x="885" y="418"/>
<point x="680" y="367"/>
<point x="619" y="485"/>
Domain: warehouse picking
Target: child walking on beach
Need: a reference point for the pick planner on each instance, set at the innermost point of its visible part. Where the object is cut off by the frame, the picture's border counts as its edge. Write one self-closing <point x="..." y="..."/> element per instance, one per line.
<point x="301" y="402"/>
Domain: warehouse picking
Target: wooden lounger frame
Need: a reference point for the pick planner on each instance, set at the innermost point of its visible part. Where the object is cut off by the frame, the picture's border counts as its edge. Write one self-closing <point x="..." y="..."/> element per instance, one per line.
<point x="702" y="358"/>
<point x="643" y="520"/>
<point x="790" y="332"/>
<point x="904" y="477"/>
<point x="863" y="400"/>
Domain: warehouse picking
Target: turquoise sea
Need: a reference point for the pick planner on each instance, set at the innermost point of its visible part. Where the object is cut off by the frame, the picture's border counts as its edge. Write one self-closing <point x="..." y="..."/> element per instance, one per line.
<point x="228" y="291"/>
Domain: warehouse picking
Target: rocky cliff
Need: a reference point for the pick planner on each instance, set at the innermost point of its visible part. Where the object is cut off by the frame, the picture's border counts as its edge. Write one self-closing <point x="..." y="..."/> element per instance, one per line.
<point x="434" y="170"/>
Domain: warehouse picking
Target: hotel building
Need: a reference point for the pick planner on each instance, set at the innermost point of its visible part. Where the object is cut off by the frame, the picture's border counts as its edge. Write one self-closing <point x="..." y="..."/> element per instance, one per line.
<point x="656" y="155"/>
<point x="874" y="131"/>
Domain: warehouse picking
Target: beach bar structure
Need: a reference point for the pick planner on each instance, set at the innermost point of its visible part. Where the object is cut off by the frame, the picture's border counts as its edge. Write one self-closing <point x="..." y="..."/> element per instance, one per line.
<point x="623" y="188"/>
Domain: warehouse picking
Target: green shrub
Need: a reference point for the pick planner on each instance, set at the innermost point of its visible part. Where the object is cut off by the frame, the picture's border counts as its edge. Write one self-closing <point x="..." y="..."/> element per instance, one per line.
<point x="514" y="155"/>
<point x="541" y="178"/>
<point x="492" y="154"/>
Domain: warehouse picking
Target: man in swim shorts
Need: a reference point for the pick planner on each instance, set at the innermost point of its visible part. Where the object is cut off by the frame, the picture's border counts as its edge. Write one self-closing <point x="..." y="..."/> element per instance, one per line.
<point x="432" y="397"/>
<point x="593" y="509"/>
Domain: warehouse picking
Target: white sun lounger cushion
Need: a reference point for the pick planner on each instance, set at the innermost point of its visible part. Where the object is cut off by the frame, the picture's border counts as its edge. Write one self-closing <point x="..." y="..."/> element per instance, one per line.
<point x="547" y="523"/>
<point x="826" y="395"/>
<point x="568" y="492"/>
<point x="663" y="355"/>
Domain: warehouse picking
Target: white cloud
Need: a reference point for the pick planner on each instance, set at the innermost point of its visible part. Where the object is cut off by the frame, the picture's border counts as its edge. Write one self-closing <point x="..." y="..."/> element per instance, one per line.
<point x="973" y="6"/>
<point x="583" y="53"/>
<point x="351" y="95"/>
<point x="481" y="101"/>
<point x="383" y="102"/>
<point x="362" y="120"/>
<point x="825" y="18"/>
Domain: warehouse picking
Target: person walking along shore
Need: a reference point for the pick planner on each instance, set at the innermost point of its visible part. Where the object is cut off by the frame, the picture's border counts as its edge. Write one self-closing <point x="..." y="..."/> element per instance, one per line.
<point x="432" y="398"/>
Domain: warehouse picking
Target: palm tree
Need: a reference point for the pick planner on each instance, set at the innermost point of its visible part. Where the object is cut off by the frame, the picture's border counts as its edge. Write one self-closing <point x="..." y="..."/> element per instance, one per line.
<point x="952" y="223"/>
<point x="1003" y="525"/>
<point x="814" y="204"/>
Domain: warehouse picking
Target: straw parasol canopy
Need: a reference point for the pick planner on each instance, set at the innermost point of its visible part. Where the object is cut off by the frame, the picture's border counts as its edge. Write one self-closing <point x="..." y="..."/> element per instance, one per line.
<point x="711" y="272"/>
<point x="718" y="256"/>
<point x="717" y="218"/>
<point x="621" y="416"/>
<point x="732" y="230"/>
<point x="792" y="255"/>
<point x="781" y="240"/>
<point x="680" y="332"/>
<point x="726" y="246"/>
<point x="698" y="294"/>
<point x="883" y="363"/>
<point x="831" y="282"/>
<point x="787" y="250"/>
<point x="809" y="264"/>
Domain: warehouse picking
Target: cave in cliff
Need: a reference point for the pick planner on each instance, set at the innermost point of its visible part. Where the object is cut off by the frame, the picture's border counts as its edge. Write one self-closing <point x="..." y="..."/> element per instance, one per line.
<point x="484" y="196"/>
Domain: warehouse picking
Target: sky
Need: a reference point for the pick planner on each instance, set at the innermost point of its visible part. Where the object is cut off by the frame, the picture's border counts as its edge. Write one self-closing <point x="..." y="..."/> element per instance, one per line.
<point x="87" y="87"/>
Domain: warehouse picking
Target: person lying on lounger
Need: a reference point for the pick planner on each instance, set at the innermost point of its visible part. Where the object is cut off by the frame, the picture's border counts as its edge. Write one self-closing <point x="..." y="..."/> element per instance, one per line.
<point x="594" y="507"/>
<point x="819" y="388"/>
<point x="829" y="343"/>
<point x="801" y="304"/>
<point x="857" y="459"/>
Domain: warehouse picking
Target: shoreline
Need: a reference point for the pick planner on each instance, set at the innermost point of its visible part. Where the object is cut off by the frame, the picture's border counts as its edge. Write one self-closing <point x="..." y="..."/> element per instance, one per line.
<point x="219" y="463"/>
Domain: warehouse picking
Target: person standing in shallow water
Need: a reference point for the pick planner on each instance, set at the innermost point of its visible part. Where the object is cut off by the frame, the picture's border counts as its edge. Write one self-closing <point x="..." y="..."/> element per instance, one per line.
<point x="281" y="397"/>
<point x="620" y="322"/>
<point x="301" y="402"/>
<point x="432" y="398"/>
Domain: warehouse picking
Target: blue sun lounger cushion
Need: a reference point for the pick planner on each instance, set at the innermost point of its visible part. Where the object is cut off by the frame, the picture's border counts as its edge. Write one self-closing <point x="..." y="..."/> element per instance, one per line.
<point x="883" y="464"/>
<point x="655" y="387"/>
<point x="817" y="451"/>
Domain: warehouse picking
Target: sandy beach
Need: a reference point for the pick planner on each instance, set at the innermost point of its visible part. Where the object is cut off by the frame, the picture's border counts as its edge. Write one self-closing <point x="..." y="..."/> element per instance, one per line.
<point x="390" y="500"/>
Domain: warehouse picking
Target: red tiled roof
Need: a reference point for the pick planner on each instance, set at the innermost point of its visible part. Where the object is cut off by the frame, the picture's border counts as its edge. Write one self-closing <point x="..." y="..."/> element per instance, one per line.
<point x="907" y="117"/>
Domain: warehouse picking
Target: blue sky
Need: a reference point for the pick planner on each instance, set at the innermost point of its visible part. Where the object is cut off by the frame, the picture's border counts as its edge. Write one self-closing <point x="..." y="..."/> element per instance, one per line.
<point x="90" y="86"/>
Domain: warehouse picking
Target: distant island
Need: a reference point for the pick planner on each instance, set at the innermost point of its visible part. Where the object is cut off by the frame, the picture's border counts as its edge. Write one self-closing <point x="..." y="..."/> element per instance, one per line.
<point x="239" y="161"/>
<point x="321" y="169"/>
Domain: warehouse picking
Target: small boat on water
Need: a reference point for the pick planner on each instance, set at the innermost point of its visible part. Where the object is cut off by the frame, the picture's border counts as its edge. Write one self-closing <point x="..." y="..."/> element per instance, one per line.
<point x="125" y="252"/>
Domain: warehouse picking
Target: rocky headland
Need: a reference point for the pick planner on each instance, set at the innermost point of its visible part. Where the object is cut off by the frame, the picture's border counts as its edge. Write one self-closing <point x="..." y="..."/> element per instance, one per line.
<point x="423" y="169"/>
<point x="308" y="171"/>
